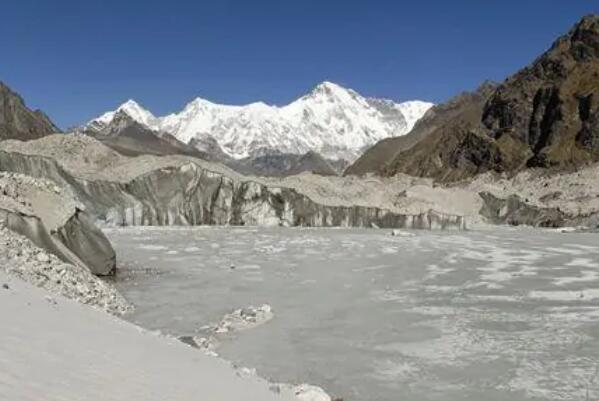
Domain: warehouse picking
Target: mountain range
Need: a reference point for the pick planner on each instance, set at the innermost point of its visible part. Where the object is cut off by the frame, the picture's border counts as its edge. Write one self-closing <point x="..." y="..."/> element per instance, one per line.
<point x="335" y="122"/>
<point x="544" y="116"/>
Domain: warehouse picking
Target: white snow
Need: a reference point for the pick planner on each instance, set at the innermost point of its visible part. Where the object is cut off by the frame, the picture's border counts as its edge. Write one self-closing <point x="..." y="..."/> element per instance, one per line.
<point x="52" y="348"/>
<point x="133" y="109"/>
<point x="413" y="111"/>
<point x="332" y="120"/>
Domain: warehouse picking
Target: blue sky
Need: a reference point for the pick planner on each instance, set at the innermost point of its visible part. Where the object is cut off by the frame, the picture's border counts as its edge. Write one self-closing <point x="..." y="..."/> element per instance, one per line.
<point x="75" y="59"/>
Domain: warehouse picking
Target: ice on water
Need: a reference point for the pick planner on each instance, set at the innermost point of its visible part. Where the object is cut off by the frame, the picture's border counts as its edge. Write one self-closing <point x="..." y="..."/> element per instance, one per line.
<point x="494" y="315"/>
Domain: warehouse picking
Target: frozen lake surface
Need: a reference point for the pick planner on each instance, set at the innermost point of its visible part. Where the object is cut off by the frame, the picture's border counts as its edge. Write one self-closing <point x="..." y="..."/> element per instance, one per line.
<point x="509" y="314"/>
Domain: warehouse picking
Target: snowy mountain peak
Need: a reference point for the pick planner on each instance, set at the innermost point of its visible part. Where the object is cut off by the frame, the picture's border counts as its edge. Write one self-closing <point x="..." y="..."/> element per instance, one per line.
<point x="199" y="103"/>
<point x="132" y="109"/>
<point x="332" y="120"/>
<point x="332" y="92"/>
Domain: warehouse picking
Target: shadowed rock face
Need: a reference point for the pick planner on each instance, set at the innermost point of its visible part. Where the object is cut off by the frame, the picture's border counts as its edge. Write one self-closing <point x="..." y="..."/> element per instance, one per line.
<point x="546" y="115"/>
<point x="19" y="122"/>
<point x="282" y="165"/>
<point x="191" y="195"/>
<point x="130" y="138"/>
<point x="550" y="108"/>
<point x="53" y="220"/>
<point x="515" y="211"/>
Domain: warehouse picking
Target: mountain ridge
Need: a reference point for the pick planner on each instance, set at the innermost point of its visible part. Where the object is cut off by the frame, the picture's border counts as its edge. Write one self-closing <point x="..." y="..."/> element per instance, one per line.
<point x="334" y="121"/>
<point x="546" y="115"/>
<point x="17" y="121"/>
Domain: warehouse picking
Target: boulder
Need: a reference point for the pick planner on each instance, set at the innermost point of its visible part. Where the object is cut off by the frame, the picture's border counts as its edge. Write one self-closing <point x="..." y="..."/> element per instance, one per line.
<point x="54" y="220"/>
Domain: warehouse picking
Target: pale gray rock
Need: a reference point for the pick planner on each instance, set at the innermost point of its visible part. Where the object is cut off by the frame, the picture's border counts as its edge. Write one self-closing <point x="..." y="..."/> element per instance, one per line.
<point x="179" y="190"/>
<point x="53" y="219"/>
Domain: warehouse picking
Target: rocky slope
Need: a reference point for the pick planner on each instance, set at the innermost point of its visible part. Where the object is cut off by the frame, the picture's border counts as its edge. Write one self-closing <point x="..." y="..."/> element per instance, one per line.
<point x="336" y="122"/>
<point x="380" y="158"/>
<point x="547" y="114"/>
<point x="49" y="216"/>
<point x="282" y="165"/>
<point x="19" y="122"/>
<point x="543" y="116"/>
<point x="129" y="137"/>
<point x="149" y="190"/>
<point x="21" y="258"/>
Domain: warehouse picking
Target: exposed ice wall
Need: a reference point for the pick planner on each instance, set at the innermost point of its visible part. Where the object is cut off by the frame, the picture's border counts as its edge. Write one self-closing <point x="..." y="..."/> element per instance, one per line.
<point x="191" y="195"/>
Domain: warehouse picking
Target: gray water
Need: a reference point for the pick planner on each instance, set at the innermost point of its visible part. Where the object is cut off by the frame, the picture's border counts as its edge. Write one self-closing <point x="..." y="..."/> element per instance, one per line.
<point x="499" y="315"/>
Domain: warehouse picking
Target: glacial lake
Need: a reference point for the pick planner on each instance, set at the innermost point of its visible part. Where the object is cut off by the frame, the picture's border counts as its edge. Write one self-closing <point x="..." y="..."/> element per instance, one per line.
<point x="505" y="314"/>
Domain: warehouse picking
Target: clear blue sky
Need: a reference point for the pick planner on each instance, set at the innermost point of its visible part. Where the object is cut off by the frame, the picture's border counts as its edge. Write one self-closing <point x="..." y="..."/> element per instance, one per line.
<point x="77" y="58"/>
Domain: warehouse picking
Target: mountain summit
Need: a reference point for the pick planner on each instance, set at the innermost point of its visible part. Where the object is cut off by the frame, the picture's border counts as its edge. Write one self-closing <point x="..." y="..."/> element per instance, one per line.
<point x="332" y="120"/>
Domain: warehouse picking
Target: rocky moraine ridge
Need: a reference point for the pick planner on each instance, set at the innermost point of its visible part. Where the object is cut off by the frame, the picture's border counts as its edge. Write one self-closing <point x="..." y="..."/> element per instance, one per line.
<point x="179" y="190"/>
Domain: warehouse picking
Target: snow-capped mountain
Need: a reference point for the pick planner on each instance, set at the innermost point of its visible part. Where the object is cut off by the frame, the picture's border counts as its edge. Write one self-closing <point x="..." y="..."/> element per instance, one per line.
<point x="334" y="121"/>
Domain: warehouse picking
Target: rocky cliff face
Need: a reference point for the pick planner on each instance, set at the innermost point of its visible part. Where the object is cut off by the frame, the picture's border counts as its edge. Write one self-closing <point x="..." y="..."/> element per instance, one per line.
<point x="52" y="219"/>
<point x="181" y="191"/>
<point x="19" y="122"/>
<point x="548" y="111"/>
<point x="544" y="116"/>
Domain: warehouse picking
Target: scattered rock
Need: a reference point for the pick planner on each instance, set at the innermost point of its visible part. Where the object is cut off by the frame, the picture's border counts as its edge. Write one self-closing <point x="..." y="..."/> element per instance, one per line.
<point x="243" y="319"/>
<point x="43" y="258"/>
<point x="51" y="300"/>
<point x="307" y="392"/>
<point x="5" y="286"/>
<point x="401" y="233"/>
<point x="206" y="344"/>
<point x="21" y="258"/>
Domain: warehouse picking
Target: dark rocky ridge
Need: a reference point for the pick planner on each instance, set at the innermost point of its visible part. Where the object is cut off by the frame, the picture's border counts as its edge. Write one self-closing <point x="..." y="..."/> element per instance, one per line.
<point x="546" y="115"/>
<point x="19" y="122"/>
<point x="381" y="156"/>
<point x="549" y="110"/>
<point x="130" y="138"/>
<point x="285" y="164"/>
